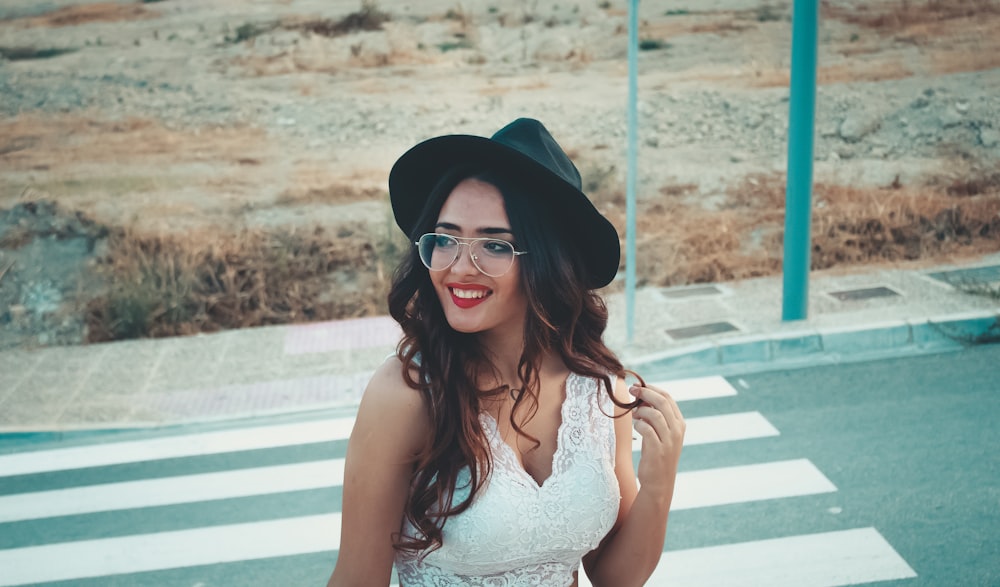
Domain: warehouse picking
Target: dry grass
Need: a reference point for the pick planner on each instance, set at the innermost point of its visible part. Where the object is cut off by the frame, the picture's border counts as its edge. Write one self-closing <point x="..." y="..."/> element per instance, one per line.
<point x="334" y="193"/>
<point x="681" y="242"/>
<point x="368" y="18"/>
<point x="900" y="15"/>
<point x="165" y="285"/>
<point x="86" y="13"/>
<point x="170" y="283"/>
<point x="873" y="69"/>
<point x="30" y="141"/>
<point x="955" y="35"/>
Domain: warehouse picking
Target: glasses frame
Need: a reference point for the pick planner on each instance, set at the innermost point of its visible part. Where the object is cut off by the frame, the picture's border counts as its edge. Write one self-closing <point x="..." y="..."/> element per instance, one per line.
<point x="468" y="242"/>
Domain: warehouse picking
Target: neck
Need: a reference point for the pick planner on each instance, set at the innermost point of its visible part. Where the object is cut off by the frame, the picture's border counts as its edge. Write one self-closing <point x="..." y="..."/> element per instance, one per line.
<point x="504" y="349"/>
<point x="506" y="355"/>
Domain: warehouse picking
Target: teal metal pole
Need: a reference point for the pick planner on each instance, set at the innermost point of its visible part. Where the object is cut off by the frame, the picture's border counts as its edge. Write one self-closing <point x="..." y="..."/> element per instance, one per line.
<point x="633" y="91"/>
<point x="798" y="189"/>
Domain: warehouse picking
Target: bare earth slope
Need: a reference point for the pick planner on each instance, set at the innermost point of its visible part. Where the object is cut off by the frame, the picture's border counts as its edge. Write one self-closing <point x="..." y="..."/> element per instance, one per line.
<point x="177" y="166"/>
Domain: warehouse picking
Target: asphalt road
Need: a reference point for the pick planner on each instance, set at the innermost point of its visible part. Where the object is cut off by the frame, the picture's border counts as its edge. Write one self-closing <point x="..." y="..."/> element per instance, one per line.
<point x="879" y="473"/>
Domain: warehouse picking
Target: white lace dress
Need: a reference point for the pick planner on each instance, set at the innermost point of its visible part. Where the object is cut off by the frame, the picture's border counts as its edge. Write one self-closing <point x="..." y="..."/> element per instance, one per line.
<point x="519" y="533"/>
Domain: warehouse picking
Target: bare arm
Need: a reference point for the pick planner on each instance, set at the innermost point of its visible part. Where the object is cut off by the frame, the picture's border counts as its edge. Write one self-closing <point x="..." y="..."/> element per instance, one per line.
<point x="631" y="551"/>
<point x="391" y="429"/>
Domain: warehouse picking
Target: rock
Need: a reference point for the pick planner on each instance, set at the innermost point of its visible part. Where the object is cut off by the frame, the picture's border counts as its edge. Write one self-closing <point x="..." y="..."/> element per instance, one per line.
<point x="858" y="125"/>
<point x="554" y="48"/>
<point x="951" y="117"/>
<point x="989" y="137"/>
<point x="753" y="120"/>
<point x="17" y="312"/>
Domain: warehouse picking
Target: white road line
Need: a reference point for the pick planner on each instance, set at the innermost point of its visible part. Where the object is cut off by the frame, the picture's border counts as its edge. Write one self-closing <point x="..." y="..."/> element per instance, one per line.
<point x="259" y="437"/>
<point x="169" y="550"/>
<point x="831" y="559"/>
<point x="722" y="428"/>
<point x="694" y="489"/>
<point x="697" y="388"/>
<point x="172" y="490"/>
<point x="729" y="485"/>
<point x="277" y="479"/>
<point x="167" y="447"/>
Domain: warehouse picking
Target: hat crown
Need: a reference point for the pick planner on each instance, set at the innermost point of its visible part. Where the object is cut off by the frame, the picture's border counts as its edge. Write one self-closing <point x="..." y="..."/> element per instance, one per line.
<point x="530" y="138"/>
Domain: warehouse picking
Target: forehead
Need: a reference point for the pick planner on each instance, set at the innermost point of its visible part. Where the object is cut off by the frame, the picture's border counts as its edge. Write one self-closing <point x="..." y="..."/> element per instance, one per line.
<point x="474" y="204"/>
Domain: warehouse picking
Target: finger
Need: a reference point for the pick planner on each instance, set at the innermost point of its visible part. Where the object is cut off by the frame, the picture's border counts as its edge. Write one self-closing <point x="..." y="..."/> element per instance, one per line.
<point x="654" y="419"/>
<point x="655" y="398"/>
<point x="647" y="431"/>
<point x="668" y="402"/>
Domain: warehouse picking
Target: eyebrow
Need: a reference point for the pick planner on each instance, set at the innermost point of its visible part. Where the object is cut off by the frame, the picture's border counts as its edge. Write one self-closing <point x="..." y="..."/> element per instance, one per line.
<point x="484" y="230"/>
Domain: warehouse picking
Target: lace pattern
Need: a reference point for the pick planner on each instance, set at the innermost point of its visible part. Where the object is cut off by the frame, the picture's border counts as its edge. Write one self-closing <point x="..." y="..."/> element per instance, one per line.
<point x="517" y="532"/>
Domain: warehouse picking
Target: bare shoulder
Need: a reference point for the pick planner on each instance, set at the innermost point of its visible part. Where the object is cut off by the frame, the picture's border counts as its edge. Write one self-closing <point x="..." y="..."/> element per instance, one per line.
<point x="390" y="406"/>
<point x="388" y="385"/>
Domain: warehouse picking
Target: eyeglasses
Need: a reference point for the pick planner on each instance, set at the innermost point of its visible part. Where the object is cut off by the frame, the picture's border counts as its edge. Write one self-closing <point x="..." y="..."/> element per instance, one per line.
<point x="492" y="256"/>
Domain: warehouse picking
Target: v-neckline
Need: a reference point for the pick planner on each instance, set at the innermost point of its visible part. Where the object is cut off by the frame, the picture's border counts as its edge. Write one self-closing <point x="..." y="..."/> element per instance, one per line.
<point x="519" y="464"/>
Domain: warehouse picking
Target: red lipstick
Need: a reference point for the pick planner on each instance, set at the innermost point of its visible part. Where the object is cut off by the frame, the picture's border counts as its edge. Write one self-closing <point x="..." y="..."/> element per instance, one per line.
<point x="481" y="291"/>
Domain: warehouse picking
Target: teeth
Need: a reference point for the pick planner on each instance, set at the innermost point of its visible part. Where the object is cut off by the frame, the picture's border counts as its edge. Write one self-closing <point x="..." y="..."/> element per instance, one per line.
<point x="469" y="293"/>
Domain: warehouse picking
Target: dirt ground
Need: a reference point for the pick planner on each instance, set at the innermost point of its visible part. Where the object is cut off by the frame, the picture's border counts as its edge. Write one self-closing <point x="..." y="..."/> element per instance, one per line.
<point x="169" y="167"/>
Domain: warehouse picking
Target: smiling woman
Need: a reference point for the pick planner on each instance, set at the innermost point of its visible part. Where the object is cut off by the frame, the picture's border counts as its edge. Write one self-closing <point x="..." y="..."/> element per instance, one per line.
<point x="508" y="457"/>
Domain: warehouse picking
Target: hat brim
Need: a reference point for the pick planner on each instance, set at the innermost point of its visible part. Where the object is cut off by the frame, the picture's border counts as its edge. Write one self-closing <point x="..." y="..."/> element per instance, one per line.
<point x="417" y="171"/>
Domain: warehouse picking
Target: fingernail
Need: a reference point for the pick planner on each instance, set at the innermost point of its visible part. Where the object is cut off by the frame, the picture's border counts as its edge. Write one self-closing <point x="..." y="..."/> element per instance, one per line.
<point x="634" y="390"/>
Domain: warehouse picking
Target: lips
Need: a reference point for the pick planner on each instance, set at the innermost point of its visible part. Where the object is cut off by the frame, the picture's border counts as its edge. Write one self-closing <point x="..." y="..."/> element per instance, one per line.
<point x="468" y="295"/>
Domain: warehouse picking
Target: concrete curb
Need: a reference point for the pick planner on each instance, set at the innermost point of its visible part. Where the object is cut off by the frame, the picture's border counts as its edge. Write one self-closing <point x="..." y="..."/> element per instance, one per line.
<point x="811" y="346"/>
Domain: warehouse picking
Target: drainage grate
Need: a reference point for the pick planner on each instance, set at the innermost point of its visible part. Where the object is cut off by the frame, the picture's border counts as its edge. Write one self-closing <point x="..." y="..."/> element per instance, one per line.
<point x="692" y="292"/>
<point x="854" y="295"/>
<point x="701" y="330"/>
<point x="987" y="274"/>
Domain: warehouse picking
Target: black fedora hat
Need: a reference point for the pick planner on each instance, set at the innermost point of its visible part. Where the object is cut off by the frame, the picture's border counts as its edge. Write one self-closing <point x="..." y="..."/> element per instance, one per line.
<point x="525" y="149"/>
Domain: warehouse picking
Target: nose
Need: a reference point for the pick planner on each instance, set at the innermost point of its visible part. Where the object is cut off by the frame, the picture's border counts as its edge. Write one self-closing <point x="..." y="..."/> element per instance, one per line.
<point x="464" y="264"/>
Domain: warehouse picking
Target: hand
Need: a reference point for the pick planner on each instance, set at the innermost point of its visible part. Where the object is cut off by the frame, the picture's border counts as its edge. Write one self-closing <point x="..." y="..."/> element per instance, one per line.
<point x="661" y="424"/>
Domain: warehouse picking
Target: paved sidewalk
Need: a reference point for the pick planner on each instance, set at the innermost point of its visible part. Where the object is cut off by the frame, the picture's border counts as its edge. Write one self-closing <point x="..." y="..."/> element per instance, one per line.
<point x="679" y="332"/>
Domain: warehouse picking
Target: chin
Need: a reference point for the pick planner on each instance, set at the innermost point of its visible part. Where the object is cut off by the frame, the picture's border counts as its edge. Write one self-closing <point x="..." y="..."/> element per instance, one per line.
<point x="463" y="326"/>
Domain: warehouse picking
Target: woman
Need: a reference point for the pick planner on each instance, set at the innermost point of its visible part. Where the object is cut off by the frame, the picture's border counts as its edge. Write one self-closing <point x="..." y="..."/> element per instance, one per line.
<point x="495" y="447"/>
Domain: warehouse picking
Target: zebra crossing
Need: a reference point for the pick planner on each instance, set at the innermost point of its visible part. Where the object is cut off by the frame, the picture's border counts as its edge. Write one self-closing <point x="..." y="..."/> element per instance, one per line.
<point x="176" y="508"/>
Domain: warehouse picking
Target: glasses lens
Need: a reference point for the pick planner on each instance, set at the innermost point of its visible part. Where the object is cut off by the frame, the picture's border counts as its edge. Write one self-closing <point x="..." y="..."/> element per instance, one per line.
<point x="437" y="251"/>
<point x="493" y="257"/>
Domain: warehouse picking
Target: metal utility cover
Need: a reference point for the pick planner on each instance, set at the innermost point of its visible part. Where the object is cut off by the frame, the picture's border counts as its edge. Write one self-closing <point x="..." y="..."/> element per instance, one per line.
<point x="987" y="274"/>
<point x="701" y="330"/>
<point x="853" y="295"/>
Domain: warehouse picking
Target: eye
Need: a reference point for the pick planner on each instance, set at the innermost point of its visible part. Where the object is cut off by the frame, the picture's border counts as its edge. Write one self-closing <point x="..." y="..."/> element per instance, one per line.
<point x="498" y="247"/>
<point x="443" y="241"/>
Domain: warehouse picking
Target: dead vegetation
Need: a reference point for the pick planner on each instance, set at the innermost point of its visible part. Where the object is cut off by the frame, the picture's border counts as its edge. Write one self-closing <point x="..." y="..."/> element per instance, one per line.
<point x="87" y="13"/>
<point x="902" y="16"/>
<point x="166" y="285"/>
<point x="369" y="18"/>
<point x="177" y="284"/>
<point x="680" y="242"/>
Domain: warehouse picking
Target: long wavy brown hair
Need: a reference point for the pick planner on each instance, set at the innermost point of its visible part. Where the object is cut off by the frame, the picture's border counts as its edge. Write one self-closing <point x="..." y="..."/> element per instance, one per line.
<point x="564" y="316"/>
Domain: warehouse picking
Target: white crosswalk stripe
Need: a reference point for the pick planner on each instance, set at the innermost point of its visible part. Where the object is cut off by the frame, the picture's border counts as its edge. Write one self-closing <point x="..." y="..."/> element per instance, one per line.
<point x="276" y="479"/>
<point x="824" y="559"/>
<point x="170" y="447"/>
<point x="849" y="557"/>
<point x="172" y="490"/>
<point x="168" y="550"/>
